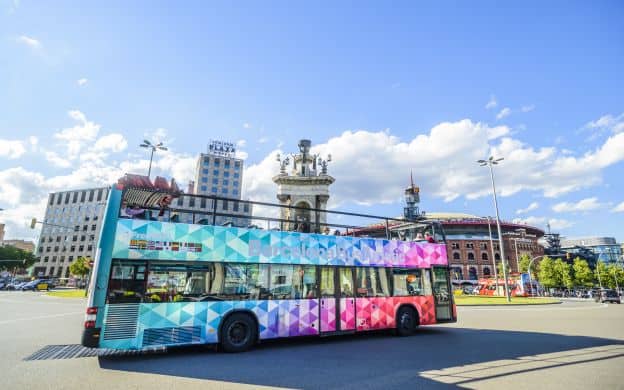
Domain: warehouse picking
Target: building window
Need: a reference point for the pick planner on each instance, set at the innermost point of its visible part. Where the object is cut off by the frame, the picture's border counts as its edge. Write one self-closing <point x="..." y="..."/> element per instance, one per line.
<point x="217" y="162"/>
<point x="471" y="256"/>
<point x="456" y="256"/>
<point x="455" y="245"/>
<point x="246" y="207"/>
<point x="224" y="191"/>
<point x="75" y="197"/>
<point x="236" y="175"/>
<point x="72" y="248"/>
<point x="207" y="161"/>
<point x="215" y="172"/>
<point x="205" y="171"/>
<point x="237" y="165"/>
<point x="51" y="271"/>
<point x="235" y="184"/>
<point x="66" y="197"/>
<point x="82" y="238"/>
<point x="51" y="199"/>
<point x="215" y="181"/>
<point x="191" y="201"/>
<point x="226" y="164"/>
<point x="234" y="192"/>
<point x="204" y="180"/>
<point x="457" y="273"/>
<point x="226" y="182"/>
<point x="93" y="227"/>
<point x="484" y="256"/>
<point x="214" y="189"/>
<point x="235" y="206"/>
<point x="225" y="205"/>
<point x="58" y="198"/>
<point x="46" y="259"/>
<point x="91" y="193"/>
<point x="62" y="259"/>
<point x="202" y="203"/>
<point x="472" y="273"/>
<point x="483" y="246"/>
<point x="469" y="245"/>
<point x="496" y="256"/>
<point x="70" y="259"/>
<point x="226" y="174"/>
<point x="486" y="272"/>
<point x="54" y="259"/>
<point x="99" y="196"/>
<point x="204" y="188"/>
<point x="81" y="248"/>
<point x="83" y="195"/>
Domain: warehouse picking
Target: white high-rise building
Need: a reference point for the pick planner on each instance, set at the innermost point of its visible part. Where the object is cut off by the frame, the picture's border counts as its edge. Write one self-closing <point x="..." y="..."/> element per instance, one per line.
<point x="220" y="173"/>
<point x="70" y="229"/>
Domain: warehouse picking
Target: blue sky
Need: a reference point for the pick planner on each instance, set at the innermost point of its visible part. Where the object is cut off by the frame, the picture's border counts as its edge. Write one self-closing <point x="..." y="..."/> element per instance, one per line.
<point x="385" y="89"/>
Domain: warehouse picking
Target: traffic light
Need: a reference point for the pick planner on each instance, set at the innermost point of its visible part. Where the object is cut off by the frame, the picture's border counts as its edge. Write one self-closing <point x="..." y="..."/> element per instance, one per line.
<point x="33" y="222"/>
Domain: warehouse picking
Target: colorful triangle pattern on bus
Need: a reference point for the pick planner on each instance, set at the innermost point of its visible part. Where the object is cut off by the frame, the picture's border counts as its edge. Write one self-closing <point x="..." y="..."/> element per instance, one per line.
<point x="141" y="239"/>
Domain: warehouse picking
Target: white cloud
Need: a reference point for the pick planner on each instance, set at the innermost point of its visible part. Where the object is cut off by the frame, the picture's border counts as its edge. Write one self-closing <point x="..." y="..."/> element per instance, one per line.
<point x="618" y="209"/>
<point x="57" y="160"/>
<point x="246" y="125"/>
<point x="497" y="132"/>
<point x="262" y="140"/>
<point x="542" y="222"/>
<point x="77" y="136"/>
<point x="587" y="204"/>
<point x="505" y="112"/>
<point x="444" y="165"/>
<point x="492" y="103"/>
<point x="29" y="41"/>
<point x="241" y="143"/>
<point x="531" y="207"/>
<point x="11" y="149"/>
<point x="82" y="82"/>
<point x="528" y="108"/>
<point x="608" y="122"/>
<point x="114" y="142"/>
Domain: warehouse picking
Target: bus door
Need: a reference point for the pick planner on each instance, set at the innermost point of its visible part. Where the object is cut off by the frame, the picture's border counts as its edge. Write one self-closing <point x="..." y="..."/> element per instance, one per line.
<point x="442" y="294"/>
<point x="337" y="300"/>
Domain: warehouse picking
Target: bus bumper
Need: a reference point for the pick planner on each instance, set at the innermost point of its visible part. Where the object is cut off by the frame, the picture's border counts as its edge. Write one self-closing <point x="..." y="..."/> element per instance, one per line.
<point x="91" y="337"/>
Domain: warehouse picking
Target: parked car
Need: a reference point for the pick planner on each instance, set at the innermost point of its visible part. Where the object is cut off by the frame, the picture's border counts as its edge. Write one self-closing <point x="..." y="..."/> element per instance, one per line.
<point x="36" y="285"/>
<point x="608" y="296"/>
<point x="15" y="285"/>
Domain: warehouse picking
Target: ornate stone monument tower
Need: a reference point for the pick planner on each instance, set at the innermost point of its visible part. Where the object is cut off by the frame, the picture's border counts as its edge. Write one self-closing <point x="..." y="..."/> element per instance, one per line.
<point x="305" y="186"/>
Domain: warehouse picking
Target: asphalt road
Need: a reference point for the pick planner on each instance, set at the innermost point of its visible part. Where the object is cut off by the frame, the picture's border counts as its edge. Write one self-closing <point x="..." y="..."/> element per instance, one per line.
<point x="575" y="345"/>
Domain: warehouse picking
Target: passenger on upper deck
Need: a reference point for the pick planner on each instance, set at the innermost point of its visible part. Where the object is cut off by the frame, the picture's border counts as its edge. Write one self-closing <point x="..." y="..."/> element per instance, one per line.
<point x="429" y="238"/>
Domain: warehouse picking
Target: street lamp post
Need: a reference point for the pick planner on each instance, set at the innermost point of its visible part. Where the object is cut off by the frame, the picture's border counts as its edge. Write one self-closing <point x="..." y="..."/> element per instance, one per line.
<point x="148" y="145"/>
<point x="490" y="162"/>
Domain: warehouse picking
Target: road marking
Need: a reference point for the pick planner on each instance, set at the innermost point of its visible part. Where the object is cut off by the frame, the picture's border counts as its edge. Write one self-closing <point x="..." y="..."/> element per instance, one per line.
<point x="40" y="317"/>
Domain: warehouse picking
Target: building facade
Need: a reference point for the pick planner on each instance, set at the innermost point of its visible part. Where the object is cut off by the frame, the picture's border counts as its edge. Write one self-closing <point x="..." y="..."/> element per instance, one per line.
<point x="24" y="245"/>
<point x="219" y="172"/>
<point x="606" y="249"/>
<point x="471" y="253"/>
<point x="70" y="230"/>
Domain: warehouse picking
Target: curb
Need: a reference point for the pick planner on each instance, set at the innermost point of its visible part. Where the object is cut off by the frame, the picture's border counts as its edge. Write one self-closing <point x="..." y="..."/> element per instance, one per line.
<point x="513" y="304"/>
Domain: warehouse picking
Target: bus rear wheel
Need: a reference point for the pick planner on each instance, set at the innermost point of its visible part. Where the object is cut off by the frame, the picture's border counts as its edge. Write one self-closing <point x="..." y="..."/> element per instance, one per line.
<point x="239" y="333"/>
<point x="406" y="321"/>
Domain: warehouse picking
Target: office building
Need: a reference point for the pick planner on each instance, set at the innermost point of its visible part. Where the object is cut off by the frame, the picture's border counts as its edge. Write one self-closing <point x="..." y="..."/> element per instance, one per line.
<point x="70" y="230"/>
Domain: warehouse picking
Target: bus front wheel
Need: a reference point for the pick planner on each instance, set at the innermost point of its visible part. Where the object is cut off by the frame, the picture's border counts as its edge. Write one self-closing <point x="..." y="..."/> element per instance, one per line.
<point x="406" y="321"/>
<point x="238" y="333"/>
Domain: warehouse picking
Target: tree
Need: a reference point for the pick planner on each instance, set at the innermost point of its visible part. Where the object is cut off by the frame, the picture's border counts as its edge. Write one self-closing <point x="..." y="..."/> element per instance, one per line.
<point x="615" y="275"/>
<point x="13" y="257"/>
<point x="499" y="269"/>
<point x="524" y="263"/>
<point x="80" y="267"/>
<point x="546" y="275"/>
<point x="583" y="275"/>
<point x="563" y="272"/>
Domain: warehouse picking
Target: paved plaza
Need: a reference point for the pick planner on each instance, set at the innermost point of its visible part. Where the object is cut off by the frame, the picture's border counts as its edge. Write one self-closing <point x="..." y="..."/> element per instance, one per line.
<point x="573" y="345"/>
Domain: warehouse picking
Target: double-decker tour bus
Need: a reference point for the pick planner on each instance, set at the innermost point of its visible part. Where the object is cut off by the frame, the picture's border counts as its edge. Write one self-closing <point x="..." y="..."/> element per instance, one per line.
<point x="168" y="275"/>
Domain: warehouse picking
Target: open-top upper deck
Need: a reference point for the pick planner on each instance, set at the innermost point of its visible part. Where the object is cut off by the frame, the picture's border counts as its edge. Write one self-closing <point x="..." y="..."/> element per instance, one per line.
<point x="149" y="227"/>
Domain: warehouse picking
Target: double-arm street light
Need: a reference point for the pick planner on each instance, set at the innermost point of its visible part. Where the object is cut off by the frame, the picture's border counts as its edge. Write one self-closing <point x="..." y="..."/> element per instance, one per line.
<point x="148" y="145"/>
<point x="490" y="162"/>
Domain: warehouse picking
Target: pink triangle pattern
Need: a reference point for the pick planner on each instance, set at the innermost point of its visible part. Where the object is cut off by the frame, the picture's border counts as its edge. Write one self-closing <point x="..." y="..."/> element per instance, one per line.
<point x="347" y="313"/>
<point x="328" y="314"/>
